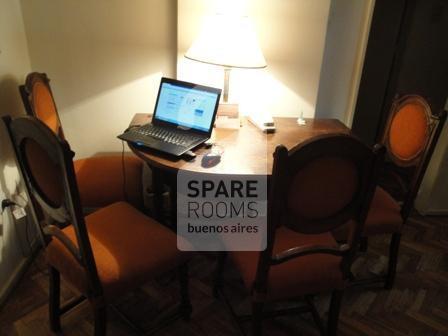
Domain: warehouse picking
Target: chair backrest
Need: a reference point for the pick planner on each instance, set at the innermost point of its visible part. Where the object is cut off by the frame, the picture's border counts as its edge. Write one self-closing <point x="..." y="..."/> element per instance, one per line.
<point x="46" y="164"/>
<point x="410" y="136"/>
<point x="39" y="102"/>
<point x="318" y="186"/>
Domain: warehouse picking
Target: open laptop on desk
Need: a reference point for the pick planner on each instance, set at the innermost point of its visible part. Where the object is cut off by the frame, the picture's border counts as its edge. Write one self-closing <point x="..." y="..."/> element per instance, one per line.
<point x="183" y="118"/>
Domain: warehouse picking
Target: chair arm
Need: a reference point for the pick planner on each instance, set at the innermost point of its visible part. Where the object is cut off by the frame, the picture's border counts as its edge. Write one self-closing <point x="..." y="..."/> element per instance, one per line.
<point x="308" y="249"/>
<point x="56" y="232"/>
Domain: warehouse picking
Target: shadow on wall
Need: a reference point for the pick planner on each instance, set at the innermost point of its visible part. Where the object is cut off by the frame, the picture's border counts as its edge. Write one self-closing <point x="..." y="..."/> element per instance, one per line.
<point x="104" y="59"/>
<point x="10" y="104"/>
<point x="88" y="48"/>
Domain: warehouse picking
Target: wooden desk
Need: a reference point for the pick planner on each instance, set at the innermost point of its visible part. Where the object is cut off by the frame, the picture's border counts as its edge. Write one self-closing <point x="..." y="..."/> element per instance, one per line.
<point x="246" y="151"/>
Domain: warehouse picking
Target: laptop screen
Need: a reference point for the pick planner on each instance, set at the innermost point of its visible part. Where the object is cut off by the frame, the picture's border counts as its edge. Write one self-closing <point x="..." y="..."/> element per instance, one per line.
<point x="186" y="104"/>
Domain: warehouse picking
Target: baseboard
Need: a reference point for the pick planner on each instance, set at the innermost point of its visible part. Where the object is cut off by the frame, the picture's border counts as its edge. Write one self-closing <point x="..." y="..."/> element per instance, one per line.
<point x="20" y="270"/>
<point x="433" y="212"/>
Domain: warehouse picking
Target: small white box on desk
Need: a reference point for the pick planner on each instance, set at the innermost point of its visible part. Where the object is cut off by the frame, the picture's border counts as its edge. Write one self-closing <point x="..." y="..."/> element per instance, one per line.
<point x="263" y="121"/>
<point x="228" y="116"/>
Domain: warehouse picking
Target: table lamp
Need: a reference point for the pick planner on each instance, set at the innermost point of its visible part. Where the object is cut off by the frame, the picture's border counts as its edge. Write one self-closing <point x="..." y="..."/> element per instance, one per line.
<point x="229" y="41"/>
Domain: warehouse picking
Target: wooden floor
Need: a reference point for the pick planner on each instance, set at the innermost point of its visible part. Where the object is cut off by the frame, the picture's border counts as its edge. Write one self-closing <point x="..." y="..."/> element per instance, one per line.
<point x="418" y="305"/>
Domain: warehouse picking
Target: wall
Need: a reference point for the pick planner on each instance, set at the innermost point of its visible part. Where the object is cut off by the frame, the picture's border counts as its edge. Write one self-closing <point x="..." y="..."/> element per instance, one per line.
<point x="345" y="44"/>
<point x="105" y="59"/>
<point x="432" y="198"/>
<point x="292" y="37"/>
<point x="14" y="65"/>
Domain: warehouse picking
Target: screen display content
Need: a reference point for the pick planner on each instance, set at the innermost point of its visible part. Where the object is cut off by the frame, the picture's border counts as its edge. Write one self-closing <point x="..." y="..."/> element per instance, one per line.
<point x="186" y="107"/>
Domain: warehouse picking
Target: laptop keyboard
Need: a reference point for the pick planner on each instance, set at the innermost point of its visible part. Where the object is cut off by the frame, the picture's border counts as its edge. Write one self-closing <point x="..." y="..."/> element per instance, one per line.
<point x="167" y="135"/>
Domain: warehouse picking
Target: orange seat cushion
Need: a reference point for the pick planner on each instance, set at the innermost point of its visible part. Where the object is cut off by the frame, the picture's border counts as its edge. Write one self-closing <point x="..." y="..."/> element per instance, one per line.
<point x="303" y="275"/>
<point x="129" y="249"/>
<point x="100" y="180"/>
<point x="384" y="217"/>
<point x="409" y="131"/>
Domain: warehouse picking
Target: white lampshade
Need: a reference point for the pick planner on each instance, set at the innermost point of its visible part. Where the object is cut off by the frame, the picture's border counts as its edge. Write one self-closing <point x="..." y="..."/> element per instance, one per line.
<point x="229" y="41"/>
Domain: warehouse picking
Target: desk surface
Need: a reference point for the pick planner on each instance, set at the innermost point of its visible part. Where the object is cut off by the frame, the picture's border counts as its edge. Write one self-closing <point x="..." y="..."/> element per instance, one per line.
<point x="246" y="150"/>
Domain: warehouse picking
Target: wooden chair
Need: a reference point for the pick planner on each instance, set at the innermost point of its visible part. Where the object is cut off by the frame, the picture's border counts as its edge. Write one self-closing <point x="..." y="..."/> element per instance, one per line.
<point x="101" y="180"/>
<point x="410" y="136"/>
<point x="101" y="256"/>
<point x="317" y="186"/>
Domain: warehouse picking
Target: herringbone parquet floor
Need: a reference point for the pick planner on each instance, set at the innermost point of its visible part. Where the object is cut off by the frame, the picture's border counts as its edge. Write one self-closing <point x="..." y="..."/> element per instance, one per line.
<point x="418" y="305"/>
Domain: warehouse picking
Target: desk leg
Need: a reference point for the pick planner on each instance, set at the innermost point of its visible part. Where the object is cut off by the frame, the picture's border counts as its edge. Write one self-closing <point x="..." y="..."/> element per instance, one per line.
<point x="173" y="201"/>
<point x="157" y="183"/>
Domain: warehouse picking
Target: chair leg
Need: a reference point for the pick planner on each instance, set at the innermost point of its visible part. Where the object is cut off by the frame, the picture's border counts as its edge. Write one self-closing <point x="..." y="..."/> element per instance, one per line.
<point x="393" y="259"/>
<point x="364" y="244"/>
<point x="158" y="186"/>
<point x="185" y="306"/>
<point x="315" y="314"/>
<point x="257" y="318"/>
<point x="54" y="303"/>
<point x="333" y="316"/>
<point x="100" y="317"/>
<point x="217" y="285"/>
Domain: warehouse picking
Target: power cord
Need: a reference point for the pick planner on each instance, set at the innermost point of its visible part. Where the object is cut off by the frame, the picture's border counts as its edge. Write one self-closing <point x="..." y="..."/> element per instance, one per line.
<point x="123" y="165"/>
<point x="6" y="203"/>
<point x="27" y="225"/>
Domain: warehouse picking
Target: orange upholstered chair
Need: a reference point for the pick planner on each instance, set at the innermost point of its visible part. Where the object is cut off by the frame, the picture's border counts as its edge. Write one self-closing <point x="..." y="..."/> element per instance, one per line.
<point x="103" y="255"/>
<point x="315" y="187"/>
<point x="101" y="180"/>
<point x="410" y="136"/>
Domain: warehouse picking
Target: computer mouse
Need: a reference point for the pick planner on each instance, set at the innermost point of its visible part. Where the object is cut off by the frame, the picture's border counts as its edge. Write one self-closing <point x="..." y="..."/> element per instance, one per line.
<point x="210" y="159"/>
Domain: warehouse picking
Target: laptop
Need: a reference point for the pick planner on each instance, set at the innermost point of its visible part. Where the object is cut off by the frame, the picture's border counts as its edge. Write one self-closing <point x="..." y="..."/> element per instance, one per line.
<point x="183" y="118"/>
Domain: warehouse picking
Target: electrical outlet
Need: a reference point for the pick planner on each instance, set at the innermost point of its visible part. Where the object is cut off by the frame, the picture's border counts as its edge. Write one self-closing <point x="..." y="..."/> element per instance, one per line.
<point x="18" y="212"/>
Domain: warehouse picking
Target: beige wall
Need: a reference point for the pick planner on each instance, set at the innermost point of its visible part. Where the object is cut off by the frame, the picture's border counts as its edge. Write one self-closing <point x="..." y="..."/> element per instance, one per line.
<point x="432" y="198"/>
<point x="14" y="65"/>
<point x="346" y="40"/>
<point x="292" y="36"/>
<point x="105" y="59"/>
